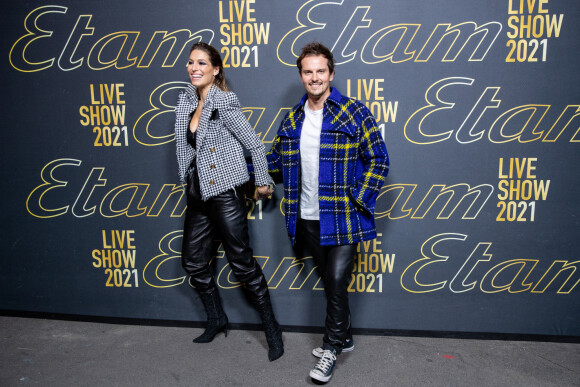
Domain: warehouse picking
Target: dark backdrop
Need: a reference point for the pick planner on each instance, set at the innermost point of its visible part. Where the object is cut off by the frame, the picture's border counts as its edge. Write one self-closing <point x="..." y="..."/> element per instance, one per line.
<point x="478" y="103"/>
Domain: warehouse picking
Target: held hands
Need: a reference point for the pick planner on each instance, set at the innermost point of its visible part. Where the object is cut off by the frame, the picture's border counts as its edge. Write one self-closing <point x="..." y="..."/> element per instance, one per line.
<point x="263" y="192"/>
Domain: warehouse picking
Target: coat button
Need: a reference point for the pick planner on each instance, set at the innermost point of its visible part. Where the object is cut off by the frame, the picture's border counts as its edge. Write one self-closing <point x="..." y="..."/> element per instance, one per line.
<point x="212" y="149"/>
<point x="212" y="166"/>
<point x="211" y="182"/>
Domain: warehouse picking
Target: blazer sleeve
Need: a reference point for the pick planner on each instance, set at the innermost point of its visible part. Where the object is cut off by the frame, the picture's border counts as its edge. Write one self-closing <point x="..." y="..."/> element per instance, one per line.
<point x="235" y="121"/>
<point x="183" y="151"/>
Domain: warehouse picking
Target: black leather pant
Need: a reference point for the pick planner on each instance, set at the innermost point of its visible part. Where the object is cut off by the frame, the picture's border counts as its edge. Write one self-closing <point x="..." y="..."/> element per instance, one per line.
<point x="225" y="213"/>
<point x="335" y="264"/>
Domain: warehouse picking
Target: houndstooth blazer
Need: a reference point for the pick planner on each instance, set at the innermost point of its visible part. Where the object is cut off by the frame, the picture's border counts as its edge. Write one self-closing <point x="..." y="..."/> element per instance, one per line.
<point x="222" y="134"/>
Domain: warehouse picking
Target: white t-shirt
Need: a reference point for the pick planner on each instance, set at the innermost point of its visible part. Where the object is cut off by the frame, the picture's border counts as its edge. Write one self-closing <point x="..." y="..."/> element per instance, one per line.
<point x="309" y="158"/>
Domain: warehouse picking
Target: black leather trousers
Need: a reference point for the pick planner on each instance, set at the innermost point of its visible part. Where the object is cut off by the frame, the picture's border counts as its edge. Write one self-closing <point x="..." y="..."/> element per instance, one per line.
<point x="335" y="264"/>
<point x="225" y="213"/>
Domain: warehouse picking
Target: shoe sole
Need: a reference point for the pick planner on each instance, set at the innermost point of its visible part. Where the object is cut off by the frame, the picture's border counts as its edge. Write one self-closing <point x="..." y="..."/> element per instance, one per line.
<point x="319" y="354"/>
<point x="320" y="378"/>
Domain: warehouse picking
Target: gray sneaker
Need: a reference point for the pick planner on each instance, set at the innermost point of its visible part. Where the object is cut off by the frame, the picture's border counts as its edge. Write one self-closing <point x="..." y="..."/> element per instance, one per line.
<point x="322" y="371"/>
<point x="348" y="346"/>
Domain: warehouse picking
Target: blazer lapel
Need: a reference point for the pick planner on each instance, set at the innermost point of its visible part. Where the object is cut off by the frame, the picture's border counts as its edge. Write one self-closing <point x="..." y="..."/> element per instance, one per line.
<point x="206" y="115"/>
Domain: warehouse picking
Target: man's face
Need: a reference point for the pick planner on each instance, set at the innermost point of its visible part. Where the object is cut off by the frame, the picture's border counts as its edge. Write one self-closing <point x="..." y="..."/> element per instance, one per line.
<point x="315" y="76"/>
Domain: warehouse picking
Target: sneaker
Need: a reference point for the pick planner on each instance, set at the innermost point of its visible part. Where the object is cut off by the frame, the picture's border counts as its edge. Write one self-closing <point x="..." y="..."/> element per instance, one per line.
<point x="348" y="346"/>
<point x="322" y="371"/>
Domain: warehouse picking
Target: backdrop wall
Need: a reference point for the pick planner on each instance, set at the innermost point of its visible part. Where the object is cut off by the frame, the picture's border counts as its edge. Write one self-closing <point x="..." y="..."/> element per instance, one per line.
<point x="478" y="103"/>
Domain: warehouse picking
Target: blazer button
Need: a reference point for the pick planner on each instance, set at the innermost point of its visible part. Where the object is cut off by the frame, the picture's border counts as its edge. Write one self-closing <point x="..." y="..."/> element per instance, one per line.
<point x="212" y="149"/>
<point x="211" y="182"/>
<point x="212" y="166"/>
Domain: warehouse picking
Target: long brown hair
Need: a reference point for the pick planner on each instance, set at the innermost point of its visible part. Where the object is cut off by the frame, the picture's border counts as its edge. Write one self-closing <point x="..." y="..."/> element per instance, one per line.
<point x="216" y="61"/>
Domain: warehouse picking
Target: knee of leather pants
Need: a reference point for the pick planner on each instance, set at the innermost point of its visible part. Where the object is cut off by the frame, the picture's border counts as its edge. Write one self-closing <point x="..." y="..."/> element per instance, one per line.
<point x="225" y="213"/>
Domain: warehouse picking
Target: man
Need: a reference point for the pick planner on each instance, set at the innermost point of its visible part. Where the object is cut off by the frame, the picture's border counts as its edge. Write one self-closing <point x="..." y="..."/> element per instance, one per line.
<point x="333" y="161"/>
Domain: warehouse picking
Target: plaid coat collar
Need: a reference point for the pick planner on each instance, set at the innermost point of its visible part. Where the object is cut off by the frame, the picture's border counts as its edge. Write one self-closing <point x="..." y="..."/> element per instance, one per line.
<point x="335" y="117"/>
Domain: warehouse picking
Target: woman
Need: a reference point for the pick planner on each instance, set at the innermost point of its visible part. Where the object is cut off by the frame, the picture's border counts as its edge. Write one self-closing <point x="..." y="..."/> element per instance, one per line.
<point x="210" y="134"/>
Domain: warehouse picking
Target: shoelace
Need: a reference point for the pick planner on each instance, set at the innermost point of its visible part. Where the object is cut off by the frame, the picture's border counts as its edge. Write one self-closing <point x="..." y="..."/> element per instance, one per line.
<point x="325" y="361"/>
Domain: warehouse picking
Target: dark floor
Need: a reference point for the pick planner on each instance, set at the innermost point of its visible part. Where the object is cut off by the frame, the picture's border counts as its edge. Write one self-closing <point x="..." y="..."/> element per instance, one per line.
<point x="71" y="353"/>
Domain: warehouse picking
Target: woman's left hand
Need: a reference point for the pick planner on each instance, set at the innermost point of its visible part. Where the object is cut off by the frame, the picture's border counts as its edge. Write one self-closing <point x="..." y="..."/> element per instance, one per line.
<point x="264" y="192"/>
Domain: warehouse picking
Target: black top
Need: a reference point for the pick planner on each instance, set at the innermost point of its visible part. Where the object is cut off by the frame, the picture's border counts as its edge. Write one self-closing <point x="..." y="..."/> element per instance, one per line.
<point x="191" y="138"/>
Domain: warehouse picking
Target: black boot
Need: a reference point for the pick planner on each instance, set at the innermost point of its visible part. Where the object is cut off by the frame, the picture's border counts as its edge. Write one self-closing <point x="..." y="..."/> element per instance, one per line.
<point x="271" y="328"/>
<point x="217" y="321"/>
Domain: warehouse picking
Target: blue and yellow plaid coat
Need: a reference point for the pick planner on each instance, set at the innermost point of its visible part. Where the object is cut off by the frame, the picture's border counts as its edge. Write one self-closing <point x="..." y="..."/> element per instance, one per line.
<point x="353" y="166"/>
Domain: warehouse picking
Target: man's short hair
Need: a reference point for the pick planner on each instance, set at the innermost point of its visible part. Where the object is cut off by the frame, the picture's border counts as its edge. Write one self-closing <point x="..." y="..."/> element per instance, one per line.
<point x="316" y="48"/>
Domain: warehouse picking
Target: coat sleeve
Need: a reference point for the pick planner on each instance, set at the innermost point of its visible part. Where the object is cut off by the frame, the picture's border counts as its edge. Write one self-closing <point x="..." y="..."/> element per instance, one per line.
<point x="374" y="161"/>
<point x="275" y="160"/>
<point x="235" y="121"/>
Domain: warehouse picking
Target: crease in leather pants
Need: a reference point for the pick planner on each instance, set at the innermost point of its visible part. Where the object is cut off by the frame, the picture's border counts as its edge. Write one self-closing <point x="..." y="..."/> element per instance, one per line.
<point x="335" y="264"/>
<point x="226" y="214"/>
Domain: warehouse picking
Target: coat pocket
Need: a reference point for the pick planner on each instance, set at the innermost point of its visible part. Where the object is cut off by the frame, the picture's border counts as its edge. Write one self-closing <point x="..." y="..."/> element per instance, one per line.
<point x="360" y="207"/>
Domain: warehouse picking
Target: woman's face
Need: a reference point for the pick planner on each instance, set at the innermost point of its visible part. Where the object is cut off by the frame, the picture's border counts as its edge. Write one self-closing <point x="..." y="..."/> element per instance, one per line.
<point x="201" y="72"/>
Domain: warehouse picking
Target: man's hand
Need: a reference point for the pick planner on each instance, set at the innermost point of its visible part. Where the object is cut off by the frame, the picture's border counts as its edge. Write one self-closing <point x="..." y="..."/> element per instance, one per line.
<point x="264" y="192"/>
